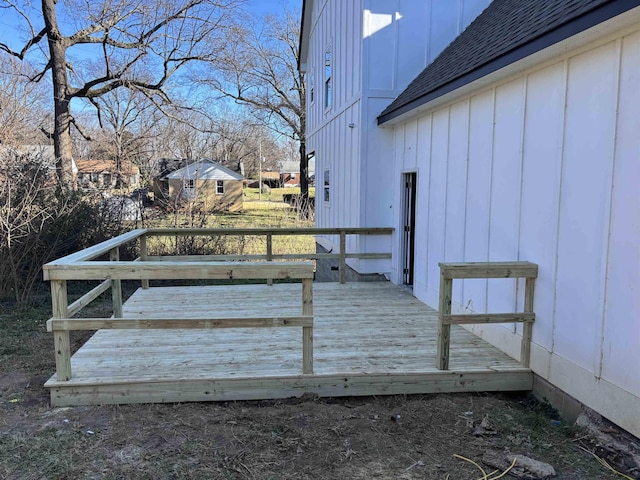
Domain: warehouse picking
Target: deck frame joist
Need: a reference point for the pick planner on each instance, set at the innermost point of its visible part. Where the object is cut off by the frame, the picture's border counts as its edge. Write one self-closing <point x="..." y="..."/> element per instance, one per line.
<point x="260" y="388"/>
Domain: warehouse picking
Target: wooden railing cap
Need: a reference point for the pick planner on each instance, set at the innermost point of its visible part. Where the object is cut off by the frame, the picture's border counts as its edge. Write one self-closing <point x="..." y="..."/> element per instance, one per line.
<point x="489" y="270"/>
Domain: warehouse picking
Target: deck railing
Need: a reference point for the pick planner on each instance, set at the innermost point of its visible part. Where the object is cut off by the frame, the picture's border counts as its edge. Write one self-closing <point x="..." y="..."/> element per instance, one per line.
<point x="84" y="266"/>
<point x="451" y="271"/>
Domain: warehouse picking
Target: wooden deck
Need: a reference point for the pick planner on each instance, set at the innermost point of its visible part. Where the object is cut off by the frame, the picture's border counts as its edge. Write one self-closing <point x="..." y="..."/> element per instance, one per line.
<point x="368" y="339"/>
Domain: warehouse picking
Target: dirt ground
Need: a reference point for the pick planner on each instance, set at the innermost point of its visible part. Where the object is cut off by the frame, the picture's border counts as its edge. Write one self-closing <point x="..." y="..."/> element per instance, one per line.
<point x="396" y="437"/>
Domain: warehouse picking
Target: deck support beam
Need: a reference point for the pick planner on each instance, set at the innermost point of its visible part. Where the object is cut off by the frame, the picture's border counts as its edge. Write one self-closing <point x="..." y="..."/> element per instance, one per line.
<point x="61" y="339"/>
<point x="307" y="332"/>
<point x="343" y="261"/>
<point x="527" y="328"/>
<point x="144" y="253"/>
<point x="116" y="285"/>
<point x="444" y="329"/>
<point x="269" y="254"/>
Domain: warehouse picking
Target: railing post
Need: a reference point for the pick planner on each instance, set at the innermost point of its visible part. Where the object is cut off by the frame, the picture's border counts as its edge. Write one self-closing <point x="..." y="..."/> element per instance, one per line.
<point x="116" y="286"/>
<point x="143" y="258"/>
<point x="444" y="331"/>
<point x="307" y="332"/>
<point x="343" y="258"/>
<point x="269" y="253"/>
<point x="61" y="340"/>
<point x="527" y="328"/>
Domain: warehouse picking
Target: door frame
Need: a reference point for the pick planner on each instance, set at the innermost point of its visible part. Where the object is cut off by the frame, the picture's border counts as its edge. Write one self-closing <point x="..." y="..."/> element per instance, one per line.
<point x="408" y="225"/>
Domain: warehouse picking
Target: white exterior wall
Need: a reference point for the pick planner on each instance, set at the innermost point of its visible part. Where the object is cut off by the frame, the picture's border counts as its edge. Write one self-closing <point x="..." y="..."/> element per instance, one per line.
<point x="378" y="47"/>
<point x="336" y="27"/>
<point x="544" y="167"/>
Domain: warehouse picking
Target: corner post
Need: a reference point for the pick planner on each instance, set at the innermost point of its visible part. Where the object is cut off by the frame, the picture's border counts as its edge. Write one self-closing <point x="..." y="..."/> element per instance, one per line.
<point x="61" y="341"/>
<point x="116" y="285"/>
<point x="343" y="258"/>
<point x="444" y="331"/>
<point x="269" y="253"/>
<point x="143" y="258"/>
<point x="527" y="328"/>
<point x="307" y="332"/>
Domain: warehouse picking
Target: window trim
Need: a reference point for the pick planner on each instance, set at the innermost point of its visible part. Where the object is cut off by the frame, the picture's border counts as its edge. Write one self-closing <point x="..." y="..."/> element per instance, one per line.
<point x="328" y="84"/>
<point x="326" y="186"/>
<point x="219" y="187"/>
<point x="189" y="188"/>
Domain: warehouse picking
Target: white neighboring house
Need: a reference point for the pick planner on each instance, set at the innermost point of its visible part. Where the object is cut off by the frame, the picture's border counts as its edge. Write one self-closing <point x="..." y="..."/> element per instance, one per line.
<point x="358" y="56"/>
<point x="520" y="142"/>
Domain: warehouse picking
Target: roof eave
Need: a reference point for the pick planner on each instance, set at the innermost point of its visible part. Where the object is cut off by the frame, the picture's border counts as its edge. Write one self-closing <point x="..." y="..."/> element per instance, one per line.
<point x="537" y="50"/>
<point x="307" y="8"/>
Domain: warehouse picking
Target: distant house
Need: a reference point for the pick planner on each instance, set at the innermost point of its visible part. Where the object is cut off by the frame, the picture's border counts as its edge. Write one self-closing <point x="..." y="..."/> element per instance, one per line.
<point x="204" y="182"/>
<point x="104" y="174"/>
<point x="290" y="173"/>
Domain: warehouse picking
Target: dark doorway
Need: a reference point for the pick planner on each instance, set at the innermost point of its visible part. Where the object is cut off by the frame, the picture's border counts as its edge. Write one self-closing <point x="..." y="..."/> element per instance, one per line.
<point x="409" y="227"/>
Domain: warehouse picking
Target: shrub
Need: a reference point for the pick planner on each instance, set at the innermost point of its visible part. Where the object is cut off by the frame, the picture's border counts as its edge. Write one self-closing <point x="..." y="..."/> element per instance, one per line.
<point x="41" y="220"/>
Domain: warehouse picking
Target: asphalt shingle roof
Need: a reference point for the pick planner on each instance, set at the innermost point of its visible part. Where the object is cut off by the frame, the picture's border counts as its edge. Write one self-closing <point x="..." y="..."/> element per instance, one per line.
<point x="507" y="31"/>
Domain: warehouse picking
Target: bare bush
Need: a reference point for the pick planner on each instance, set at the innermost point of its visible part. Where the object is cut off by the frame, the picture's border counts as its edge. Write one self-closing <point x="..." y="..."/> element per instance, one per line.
<point x="40" y="221"/>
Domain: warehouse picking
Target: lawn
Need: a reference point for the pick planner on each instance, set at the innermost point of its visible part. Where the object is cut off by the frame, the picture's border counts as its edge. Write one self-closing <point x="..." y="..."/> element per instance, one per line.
<point x="256" y="214"/>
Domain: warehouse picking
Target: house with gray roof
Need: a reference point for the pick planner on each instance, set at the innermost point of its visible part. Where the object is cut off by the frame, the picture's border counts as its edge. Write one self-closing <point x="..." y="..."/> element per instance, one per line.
<point x="202" y="184"/>
<point x="518" y="141"/>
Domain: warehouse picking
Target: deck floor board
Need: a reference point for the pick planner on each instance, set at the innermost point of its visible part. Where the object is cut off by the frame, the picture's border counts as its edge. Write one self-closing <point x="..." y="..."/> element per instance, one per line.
<point x="375" y="331"/>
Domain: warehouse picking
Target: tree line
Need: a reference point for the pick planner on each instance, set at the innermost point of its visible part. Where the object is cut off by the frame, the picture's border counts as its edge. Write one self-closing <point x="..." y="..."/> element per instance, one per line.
<point x="132" y="81"/>
<point x="136" y="79"/>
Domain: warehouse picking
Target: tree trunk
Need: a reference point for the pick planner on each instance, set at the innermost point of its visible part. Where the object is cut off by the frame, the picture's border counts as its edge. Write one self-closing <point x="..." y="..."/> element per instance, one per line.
<point x="61" y="97"/>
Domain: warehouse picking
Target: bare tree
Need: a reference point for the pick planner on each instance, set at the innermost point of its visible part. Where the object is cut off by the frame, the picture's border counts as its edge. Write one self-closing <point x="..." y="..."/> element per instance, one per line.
<point x="140" y="44"/>
<point x="258" y="68"/>
<point x="120" y="114"/>
<point x="22" y="111"/>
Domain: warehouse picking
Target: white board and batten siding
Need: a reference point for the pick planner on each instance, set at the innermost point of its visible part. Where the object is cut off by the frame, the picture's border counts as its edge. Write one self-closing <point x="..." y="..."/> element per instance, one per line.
<point x="377" y="47"/>
<point x="543" y="166"/>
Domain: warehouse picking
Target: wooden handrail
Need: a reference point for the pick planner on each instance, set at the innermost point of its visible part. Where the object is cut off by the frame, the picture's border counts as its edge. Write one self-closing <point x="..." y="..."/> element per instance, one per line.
<point x="172" y="323"/>
<point x="61" y="323"/>
<point x="468" y="270"/>
<point x="179" y="270"/>
<point x="83" y="265"/>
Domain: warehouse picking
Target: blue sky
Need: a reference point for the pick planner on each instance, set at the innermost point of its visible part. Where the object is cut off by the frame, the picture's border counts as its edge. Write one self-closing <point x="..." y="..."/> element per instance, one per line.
<point x="12" y="26"/>
<point x="272" y="6"/>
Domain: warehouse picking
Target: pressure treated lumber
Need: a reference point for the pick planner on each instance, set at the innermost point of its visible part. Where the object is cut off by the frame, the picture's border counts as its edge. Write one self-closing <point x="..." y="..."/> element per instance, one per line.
<point x="368" y="339"/>
<point x="88" y="297"/>
<point x="61" y="340"/>
<point x="471" y="319"/>
<point x="489" y="270"/>
<point x="180" y="270"/>
<point x="69" y="324"/>
<point x="469" y="270"/>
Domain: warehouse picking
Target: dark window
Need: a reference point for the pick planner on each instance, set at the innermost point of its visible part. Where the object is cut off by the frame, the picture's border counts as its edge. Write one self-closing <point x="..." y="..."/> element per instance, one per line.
<point x="326" y="185"/>
<point x="219" y="187"/>
<point x="189" y="188"/>
<point x="328" y="87"/>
